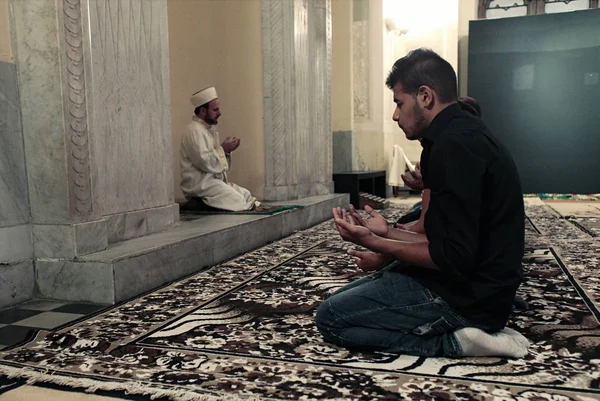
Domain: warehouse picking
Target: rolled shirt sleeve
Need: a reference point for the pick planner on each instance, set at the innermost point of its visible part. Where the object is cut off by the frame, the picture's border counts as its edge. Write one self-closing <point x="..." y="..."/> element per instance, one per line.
<point x="452" y="223"/>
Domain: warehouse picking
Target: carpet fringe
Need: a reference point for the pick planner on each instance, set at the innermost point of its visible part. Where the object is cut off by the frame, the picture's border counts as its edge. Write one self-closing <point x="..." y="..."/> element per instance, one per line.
<point x="34" y="376"/>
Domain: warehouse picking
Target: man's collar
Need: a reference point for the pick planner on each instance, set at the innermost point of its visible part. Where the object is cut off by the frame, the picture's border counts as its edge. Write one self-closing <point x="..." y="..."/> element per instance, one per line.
<point x="432" y="132"/>
<point x="201" y="121"/>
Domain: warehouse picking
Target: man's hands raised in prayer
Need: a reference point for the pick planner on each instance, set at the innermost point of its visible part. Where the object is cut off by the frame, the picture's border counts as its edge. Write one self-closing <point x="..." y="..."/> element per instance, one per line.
<point x="414" y="180"/>
<point x="348" y="228"/>
<point x="230" y="144"/>
<point x="369" y="261"/>
<point x="377" y="224"/>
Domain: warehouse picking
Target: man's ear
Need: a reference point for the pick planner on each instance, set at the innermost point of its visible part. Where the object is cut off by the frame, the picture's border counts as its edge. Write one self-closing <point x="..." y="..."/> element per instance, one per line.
<point x="426" y="96"/>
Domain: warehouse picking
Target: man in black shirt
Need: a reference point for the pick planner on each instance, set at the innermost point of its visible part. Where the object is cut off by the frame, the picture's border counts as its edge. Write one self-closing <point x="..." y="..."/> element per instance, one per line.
<point x="414" y="180"/>
<point x="448" y="291"/>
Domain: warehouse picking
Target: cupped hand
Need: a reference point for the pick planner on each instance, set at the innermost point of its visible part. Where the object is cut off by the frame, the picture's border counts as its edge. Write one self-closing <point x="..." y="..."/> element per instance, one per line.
<point x="348" y="228"/>
<point x="414" y="180"/>
<point x="230" y="144"/>
<point x="377" y="224"/>
<point x="369" y="261"/>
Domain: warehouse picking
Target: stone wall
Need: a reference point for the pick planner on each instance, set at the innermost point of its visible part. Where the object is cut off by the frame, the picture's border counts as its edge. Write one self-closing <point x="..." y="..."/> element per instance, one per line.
<point x="16" y="250"/>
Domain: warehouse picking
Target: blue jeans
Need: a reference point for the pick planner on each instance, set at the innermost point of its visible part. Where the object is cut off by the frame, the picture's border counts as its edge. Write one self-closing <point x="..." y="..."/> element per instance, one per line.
<point x="390" y="312"/>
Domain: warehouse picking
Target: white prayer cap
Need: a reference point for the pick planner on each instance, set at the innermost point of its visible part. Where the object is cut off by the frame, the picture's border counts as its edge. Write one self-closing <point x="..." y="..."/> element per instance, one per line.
<point x="204" y="96"/>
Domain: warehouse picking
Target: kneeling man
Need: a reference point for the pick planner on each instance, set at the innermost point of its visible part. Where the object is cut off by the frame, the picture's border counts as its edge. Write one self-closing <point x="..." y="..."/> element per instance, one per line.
<point x="205" y="161"/>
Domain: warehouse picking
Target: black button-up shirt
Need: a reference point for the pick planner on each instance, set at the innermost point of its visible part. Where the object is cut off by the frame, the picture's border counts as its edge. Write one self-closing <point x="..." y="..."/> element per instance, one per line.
<point x="475" y="222"/>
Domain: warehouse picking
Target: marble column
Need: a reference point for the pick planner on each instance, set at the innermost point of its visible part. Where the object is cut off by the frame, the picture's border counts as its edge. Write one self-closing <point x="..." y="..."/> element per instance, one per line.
<point x="297" y="100"/>
<point x="16" y="250"/>
<point x="94" y="97"/>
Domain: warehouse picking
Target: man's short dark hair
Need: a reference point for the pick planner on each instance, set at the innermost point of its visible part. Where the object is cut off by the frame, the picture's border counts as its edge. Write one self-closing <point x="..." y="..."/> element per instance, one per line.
<point x="204" y="106"/>
<point x="424" y="67"/>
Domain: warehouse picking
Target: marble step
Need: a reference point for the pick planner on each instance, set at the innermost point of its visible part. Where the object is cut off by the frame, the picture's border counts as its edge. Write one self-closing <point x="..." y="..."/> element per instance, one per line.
<point x="132" y="267"/>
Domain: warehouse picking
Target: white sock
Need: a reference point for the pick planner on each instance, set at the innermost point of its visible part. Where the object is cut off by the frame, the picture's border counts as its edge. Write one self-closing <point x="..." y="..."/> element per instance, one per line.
<point x="507" y="342"/>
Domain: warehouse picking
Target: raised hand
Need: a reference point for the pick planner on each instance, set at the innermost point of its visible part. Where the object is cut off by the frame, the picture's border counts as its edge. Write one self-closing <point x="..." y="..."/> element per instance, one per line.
<point x="414" y="180"/>
<point x="415" y="228"/>
<point x="369" y="261"/>
<point x="377" y="224"/>
<point x="230" y="144"/>
<point x="237" y="142"/>
<point x="348" y="228"/>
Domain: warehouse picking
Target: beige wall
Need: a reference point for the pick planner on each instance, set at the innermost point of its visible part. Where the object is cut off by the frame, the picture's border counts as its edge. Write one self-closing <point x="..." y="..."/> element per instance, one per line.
<point x="441" y="36"/>
<point x="467" y="11"/>
<point x="219" y="43"/>
<point x="5" y="48"/>
<point x="342" y="97"/>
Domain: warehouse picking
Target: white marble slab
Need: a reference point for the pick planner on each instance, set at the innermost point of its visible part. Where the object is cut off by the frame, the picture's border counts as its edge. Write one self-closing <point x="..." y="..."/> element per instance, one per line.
<point x="125" y="226"/>
<point x="17" y="284"/>
<point x="142" y="273"/>
<point x="16" y="244"/>
<point x="296" y="37"/>
<point x="90" y="237"/>
<point x="14" y="198"/>
<point x="73" y="281"/>
<point x="53" y="241"/>
<point x="128" y="87"/>
<point x="162" y="218"/>
<point x="37" y="50"/>
<point x="129" y="268"/>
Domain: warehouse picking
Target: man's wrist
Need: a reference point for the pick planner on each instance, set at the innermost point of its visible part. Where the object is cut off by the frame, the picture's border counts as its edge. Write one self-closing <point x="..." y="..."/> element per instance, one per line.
<point x="367" y="240"/>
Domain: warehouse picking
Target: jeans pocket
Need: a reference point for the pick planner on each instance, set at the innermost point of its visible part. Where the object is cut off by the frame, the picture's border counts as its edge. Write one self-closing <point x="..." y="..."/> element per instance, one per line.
<point x="435" y="328"/>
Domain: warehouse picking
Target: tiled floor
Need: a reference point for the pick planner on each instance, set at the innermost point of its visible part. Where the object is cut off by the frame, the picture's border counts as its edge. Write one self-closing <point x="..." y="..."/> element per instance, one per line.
<point x="16" y="323"/>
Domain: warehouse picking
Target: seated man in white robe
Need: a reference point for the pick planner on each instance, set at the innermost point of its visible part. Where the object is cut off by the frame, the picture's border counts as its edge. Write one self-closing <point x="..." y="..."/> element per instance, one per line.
<point x="205" y="161"/>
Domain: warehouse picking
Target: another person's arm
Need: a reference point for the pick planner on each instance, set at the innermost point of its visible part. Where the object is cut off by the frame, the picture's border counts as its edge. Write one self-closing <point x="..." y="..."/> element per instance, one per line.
<point x="379" y="226"/>
<point x="419" y="226"/>
<point x="416" y="253"/>
<point x="414" y="180"/>
<point x="370" y="261"/>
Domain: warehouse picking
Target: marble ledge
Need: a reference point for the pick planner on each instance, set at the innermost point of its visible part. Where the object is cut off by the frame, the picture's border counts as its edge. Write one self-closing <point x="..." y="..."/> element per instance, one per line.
<point x="65" y="241"/>
<point x="139" y="223"/>
<point x="316" y="209"/>
<point x="132" y="267"/>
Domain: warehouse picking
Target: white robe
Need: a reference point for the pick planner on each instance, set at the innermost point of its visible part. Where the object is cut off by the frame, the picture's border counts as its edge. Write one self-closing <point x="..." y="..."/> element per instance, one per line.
<point x="204" y="167"/>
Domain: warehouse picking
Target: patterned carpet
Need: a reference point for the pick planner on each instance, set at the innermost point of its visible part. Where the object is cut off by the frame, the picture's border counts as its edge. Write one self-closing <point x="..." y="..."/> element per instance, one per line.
<point x="245" y="330"/>
<point x="570" y="197"/>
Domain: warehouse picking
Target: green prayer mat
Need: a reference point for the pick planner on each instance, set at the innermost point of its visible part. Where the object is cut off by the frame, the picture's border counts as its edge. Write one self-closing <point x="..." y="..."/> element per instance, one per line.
<point x="581" y="197"/>
<point x="266" y="209"/>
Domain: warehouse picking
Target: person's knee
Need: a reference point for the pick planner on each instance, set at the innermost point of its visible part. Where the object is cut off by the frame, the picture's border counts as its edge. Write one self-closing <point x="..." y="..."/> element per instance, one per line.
<point x="327" y="322"/>
<point x="324" y="317"/>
